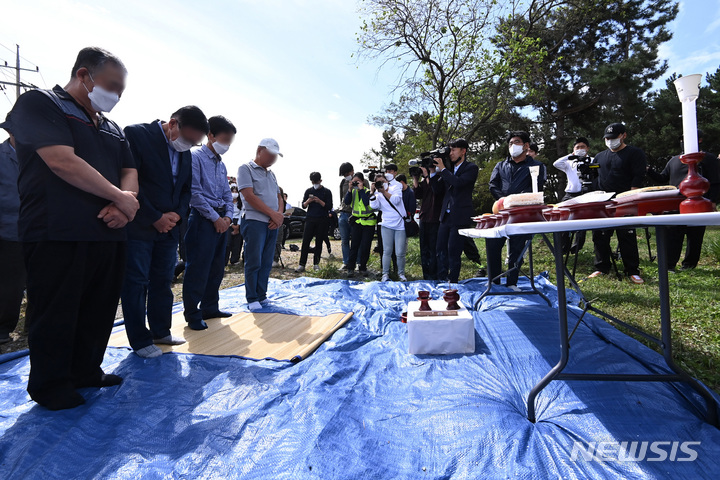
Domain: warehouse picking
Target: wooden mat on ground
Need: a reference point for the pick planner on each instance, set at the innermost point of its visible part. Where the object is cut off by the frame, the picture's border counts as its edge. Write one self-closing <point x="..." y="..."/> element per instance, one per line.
<point x="252" y="335"/>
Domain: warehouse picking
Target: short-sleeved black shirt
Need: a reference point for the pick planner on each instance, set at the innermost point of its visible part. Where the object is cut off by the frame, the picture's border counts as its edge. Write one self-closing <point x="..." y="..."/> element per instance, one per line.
<point x="620" y="171"/>
<point x="50" y="208"/>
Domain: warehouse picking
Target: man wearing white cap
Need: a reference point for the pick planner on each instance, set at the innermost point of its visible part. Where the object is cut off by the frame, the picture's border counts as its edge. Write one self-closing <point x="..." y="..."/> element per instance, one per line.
<point x="261" y="216"/>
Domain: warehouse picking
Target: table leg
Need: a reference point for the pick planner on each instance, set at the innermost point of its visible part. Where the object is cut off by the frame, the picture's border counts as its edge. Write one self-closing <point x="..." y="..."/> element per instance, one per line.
<point x="562" y="317"/>
<point x="534" y="289"/>
<point x="711" y="415"/>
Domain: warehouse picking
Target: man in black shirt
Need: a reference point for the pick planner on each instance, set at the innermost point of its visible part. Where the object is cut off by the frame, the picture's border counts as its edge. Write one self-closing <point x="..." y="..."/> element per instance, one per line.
<point x="78" y="187"/>
<point x="675" y="172"/>
<point x="318" y="202"/>
<point x="622" y="168"/>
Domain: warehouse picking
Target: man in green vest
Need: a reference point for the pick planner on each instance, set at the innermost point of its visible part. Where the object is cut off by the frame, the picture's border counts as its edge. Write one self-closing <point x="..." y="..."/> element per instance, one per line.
<point x="363" y="223"/>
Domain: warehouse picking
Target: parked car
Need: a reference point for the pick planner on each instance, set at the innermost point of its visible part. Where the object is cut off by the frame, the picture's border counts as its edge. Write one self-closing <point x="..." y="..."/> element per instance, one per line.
<point x="295" y="223"/>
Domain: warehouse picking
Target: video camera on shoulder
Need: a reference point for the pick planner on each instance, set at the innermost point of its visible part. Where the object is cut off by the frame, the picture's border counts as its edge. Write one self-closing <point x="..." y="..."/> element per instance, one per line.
<point x="427" y="160"/>
<point x="371" y="171"/>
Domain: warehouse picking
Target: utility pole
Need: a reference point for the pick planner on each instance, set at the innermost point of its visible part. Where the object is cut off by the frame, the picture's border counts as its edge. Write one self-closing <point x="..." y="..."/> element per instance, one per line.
<point x="17" y="72"/>
<point x="18" y="69"/>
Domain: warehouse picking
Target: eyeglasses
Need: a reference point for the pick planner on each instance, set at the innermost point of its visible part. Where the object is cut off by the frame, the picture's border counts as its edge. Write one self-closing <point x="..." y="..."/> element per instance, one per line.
<point x="517" y="142"/>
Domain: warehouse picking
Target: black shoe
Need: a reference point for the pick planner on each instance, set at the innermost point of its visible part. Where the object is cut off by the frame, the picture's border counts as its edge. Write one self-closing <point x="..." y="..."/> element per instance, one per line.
<point x="687" y="267"/>
<point x="218" y="314"/>
<point x="59" y="400"/>
<point x="5" y="338"/>
<point x="197" y="325"/>
<point x="350" y="273"/>
<point x="105" y="380"/>
<point x="363" y="272"/>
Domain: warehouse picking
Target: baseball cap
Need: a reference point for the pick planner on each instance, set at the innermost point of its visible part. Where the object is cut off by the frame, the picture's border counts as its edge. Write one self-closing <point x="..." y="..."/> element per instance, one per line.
<point x="272" y="146"/>
<point x="7" y="124"/>
<point x="459" y="143"/>
<point x="614" y="130"/>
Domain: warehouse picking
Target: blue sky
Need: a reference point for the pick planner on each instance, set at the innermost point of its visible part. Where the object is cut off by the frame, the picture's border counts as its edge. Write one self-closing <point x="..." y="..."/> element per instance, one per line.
<point x="279" y="68"/>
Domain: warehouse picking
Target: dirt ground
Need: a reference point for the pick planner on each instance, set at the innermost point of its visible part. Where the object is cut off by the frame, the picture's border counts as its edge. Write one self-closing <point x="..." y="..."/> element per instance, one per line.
<point x="234" y="276"/>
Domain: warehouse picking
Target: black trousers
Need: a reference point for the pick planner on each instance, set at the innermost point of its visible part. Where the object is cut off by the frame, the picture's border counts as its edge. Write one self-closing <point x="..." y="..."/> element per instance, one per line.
<point x="450" y="246"/>
<point x="516" y="244"/>
<point x="12" y="285"/>
<point x="579" y="237"/>
<point x="676" y="237"/>
<point x="627" y="241"/>
<point x="73" y="288"/>
<point x="234" y="247"/>
<point x="428" y="249"/>
<point x="315" y="227"/>
<point x="360" y="243"/>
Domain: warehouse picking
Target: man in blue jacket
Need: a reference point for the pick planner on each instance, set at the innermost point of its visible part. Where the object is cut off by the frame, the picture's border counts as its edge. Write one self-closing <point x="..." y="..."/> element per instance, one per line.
<point x="162" y="155"/>
<point x="511" y="176"/>
<point x="456" y="178"/>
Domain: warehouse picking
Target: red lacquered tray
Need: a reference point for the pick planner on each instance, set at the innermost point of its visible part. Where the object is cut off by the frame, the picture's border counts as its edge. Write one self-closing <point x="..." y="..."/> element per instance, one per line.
<point x="584" y="211"/>
<point x="656" y="204"/>
<point x="524" y="214"/>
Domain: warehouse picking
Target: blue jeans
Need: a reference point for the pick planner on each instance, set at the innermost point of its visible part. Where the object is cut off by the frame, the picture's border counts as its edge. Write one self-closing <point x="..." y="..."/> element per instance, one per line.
<point x="393" y="239"/>
<point x="149" y="272"/>
<point x="344" y="227"/>
<point x="259" y="250"/>
<point x="204" y="267"/>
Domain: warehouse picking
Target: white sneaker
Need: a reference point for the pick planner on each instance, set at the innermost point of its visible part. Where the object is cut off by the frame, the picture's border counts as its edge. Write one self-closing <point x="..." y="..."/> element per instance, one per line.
<point x="316" y="267"/>
<point x="169" y="340"/>
<point x="276" y="265"/>
<point x="254" y="306"/>
<point x="403" y="278"/>
<point x="514" y="288"/>
<point x="300" y="269"/>
<point x="151" y="351"/>
<point x="385" y="278"/>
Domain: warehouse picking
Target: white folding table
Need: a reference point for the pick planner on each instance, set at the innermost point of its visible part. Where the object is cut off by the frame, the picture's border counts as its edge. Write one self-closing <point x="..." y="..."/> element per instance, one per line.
<point x="557" y="228"/>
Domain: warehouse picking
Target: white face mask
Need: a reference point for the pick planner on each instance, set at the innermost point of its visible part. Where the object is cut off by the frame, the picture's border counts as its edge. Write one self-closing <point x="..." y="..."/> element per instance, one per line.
<point x="316" y="186"/>
<point x="181" y="145"/>
<point x="580" y="152"/>
<point x="516" y="150"/>
<point x="389" y="177"/>
<point x="220" y="148"/>
<point x="101" y="99"/>
<point x="234" y="195"/>
<point x="613" y="143"/>
<point x="348" y="178"/>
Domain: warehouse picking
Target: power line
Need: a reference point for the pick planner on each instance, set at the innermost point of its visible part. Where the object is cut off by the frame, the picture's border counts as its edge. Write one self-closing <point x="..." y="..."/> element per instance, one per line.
<point x="18" y="84"/>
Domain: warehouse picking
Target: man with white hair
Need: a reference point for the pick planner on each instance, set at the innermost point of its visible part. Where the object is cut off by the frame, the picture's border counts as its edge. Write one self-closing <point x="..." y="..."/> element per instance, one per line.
<point x="261" y="216"/>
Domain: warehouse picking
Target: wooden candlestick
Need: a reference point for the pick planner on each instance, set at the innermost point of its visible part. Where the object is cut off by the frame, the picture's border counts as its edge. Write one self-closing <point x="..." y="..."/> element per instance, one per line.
<point x="694" y="186"/>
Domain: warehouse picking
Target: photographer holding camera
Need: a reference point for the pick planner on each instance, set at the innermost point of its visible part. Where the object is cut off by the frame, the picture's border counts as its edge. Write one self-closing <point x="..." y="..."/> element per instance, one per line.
<point x="362" y="222"/>
<point x="389" y="201"/>
<point x="346" y="171"/>
<point x="430" y="205"/>
<point x="581" y="173"/>
<point x="455" y="180"/>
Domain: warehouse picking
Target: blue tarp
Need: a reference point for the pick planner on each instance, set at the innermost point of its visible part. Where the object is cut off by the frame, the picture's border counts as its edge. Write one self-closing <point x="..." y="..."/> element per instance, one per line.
<point x="361" y="407"/>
